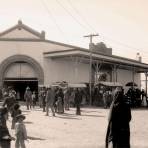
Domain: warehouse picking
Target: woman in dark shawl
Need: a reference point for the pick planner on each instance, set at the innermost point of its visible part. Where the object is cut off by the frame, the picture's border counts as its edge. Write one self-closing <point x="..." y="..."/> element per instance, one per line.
<point x="60" y="101"/>
<point x="118" y="131"/>
<point x="5" y="138"/>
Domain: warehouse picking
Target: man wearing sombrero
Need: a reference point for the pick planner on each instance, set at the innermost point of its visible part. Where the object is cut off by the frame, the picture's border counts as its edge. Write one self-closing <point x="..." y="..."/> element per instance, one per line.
<point x="28" y="98"/>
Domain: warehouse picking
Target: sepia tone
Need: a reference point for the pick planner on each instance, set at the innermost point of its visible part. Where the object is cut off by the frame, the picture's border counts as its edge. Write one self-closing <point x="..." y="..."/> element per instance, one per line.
<point x="66" y="91"/>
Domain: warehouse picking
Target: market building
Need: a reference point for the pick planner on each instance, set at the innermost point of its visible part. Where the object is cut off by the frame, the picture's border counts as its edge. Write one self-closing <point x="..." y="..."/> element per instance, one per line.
<point x="29" y="59"/>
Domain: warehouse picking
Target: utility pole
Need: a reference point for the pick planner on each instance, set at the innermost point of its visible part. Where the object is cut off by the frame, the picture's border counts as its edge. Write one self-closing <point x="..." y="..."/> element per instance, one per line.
<point x="90" y="65"/>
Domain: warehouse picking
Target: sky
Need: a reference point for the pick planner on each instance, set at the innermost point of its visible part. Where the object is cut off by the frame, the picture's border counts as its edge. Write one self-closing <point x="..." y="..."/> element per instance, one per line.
<point x="121" y="24"/>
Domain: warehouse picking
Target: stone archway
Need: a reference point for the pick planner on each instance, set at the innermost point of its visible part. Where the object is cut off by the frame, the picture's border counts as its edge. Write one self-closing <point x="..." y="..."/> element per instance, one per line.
<point x="21" y="58"/>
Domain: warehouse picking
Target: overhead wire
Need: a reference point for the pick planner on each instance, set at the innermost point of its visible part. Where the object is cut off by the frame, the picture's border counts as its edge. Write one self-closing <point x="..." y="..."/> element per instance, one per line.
<point x="104" y="37"/>
<point x="74" y="18"/>
<point x="123" y="44"/>
<point x="91" y="28"/>
<point x="80" y="15"/>
<point x="53" y="19"/>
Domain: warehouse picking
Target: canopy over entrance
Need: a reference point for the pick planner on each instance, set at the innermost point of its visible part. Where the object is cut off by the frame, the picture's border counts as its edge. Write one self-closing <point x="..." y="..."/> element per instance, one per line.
<point x="107" y="60"/>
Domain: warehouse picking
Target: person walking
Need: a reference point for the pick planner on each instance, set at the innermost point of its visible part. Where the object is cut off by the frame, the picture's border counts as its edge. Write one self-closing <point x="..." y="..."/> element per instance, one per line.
<point x="5" y="138"/>
<point x="50" y="97"/>
<point x="44" y="92"/>
<point x="66" y="99"/>
<point x="144" y="101"/>
<point x="60" y="101"/>
<point x="28" y="98"/>
<point x="16" y="111"/>
<point x="78" y="100"/>
<point x="40" y="97"/>
<point x="118" y="131"/>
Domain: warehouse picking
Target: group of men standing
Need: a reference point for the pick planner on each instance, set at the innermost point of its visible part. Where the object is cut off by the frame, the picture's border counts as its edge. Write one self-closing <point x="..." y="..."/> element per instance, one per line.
<point x="55" y="99"/>
<point x="58" y="100"/>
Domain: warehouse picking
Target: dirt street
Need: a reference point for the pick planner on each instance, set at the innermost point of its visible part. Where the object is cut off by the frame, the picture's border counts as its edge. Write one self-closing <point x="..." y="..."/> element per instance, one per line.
<point x="85" y="131"/>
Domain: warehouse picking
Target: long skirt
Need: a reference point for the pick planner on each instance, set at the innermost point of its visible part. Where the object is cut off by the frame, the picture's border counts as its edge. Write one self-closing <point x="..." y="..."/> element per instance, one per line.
<point x="60" y="107"/>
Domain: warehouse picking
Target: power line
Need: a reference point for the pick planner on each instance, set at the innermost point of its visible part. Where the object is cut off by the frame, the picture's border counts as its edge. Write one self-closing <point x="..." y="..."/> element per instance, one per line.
<point x="82" y="17"/>
<point x="104" y="36"/>
<point x="76" y="20"/>
<point x="53" y="18"/>
<point x="123" y="44"/>
<point x="88" y="25"/>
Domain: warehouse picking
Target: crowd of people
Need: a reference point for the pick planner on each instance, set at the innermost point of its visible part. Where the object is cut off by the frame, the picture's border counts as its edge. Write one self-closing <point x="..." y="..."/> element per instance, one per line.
<point x="58" y="100"/>
<point x="11" y="107"/>
<point x="135" y="96"/>
<point x="55" y="99"/>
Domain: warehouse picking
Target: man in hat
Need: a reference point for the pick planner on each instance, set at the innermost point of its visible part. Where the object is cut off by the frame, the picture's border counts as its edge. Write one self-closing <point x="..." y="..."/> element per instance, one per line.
<point x="28" y="98"/>
<point x="20" y="132"/>
<point x="50" y="99"/>
<point x="9" y="102"/>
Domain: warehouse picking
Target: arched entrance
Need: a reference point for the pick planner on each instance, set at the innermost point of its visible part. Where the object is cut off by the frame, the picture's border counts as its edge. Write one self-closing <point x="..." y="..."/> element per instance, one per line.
<point x="20" y="71"/>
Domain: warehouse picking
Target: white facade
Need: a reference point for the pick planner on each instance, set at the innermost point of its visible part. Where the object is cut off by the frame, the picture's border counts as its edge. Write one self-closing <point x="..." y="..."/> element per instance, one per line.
<point x="29" y="43"/>
<point x="22" y="40"/>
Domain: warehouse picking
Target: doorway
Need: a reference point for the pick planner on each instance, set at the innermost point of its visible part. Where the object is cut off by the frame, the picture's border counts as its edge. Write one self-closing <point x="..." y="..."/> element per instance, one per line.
<point x="20" y="85"/>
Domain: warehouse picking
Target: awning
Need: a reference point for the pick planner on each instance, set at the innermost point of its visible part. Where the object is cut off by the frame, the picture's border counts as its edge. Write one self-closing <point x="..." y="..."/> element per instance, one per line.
<point x="62" y="84"/>
<point x="76" y="85"/>
<point x="40" y="85"/>
<point x="111" y="84"/>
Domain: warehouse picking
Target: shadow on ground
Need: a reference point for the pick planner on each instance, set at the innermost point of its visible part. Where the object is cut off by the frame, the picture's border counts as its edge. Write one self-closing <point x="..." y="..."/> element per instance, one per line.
<point x="35" y="138"/>
<point x="90" y="111"/>
<point x="67" y="117"/>
<point x="28" y="122"/>
<point x="93" y="115"/>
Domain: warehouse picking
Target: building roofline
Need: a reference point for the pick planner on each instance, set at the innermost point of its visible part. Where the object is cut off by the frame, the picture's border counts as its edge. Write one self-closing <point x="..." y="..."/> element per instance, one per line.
<point x="20" y="25"/>
<point x="87" y="50"/>
<point x="34" y="32"/>
<point x="40" y="40"/>
<point x="79" y="51"/>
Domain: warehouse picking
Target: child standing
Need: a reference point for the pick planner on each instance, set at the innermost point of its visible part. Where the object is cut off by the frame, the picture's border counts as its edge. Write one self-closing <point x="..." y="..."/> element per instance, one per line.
<point x="16" y="111"/>
<point x="20" y="132"/>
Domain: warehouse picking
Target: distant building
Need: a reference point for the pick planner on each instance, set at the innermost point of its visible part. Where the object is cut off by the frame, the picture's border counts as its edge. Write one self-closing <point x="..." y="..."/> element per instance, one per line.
<point x="27" y="58"/>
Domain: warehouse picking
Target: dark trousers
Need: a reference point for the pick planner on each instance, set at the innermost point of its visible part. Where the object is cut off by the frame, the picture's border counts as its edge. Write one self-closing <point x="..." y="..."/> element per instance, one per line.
<point x="78" y="111"/>
<point x="5" y="144"/>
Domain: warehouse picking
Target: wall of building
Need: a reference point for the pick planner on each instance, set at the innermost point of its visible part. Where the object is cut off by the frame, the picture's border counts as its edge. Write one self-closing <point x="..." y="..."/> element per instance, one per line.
<point x="54" y="70"/>
<point x="63" y="70"/>
<point x="33" y="49"/>
<point x="125" y="76"/>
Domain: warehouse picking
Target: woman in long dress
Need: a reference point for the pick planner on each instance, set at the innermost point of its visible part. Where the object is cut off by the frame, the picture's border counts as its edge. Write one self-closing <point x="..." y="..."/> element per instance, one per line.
<point x="60" y="101"/>
<point x="118" y="131"/>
